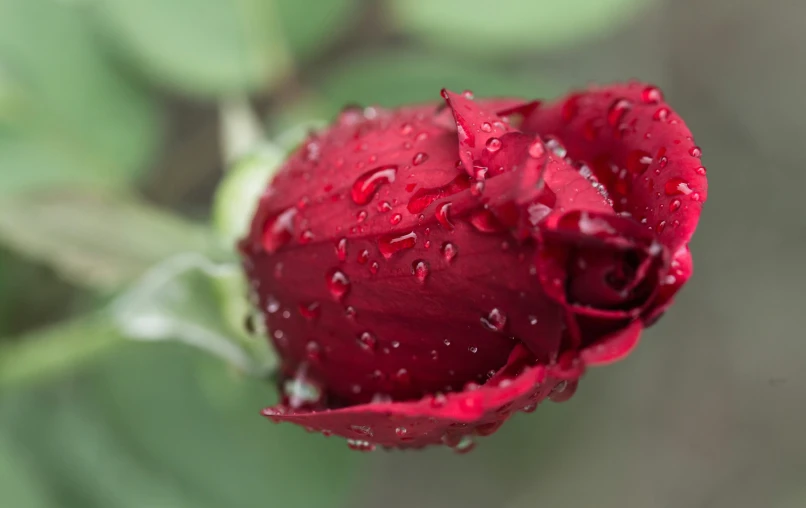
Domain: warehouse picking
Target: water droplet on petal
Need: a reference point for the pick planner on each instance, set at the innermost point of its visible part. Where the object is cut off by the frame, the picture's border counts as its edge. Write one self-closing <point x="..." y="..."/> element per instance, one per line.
<point x="368" y="342"/>
<point x="695" y="151"/>
<point x="360" y="446"/>
<point x="395" y="219"/>
<point x="419" y="158"/>
<point x="486" y="127"/>
<point x="495" y="321"/>
<point x="677" y="186"/>
<point x="365" y="186"/>
<point x="661" y="115"/>
<point x="401" y="432"/>
<point x="443" y="217"/>
<point x="390" y="244"/>
<point x="278" y="230"/>
<point x="651" y="95"/>
<point x="337" y="283"/>
<point x="701" y="171"/>
<point x="341" y="249"/>
<point x="638" y="161"/>
<point x="362" y="430"/>
<point x="310" y="311"/>
<point x="618" y="109"/>
<point x="493" y="145"/>
<point x="473" y="349"/>
<point x="420" y="270"/>
<point x="465" y="445"/>
<point x="674" y="205"/>
<point x="361" y="216"/>
<point x="449" y="251"/>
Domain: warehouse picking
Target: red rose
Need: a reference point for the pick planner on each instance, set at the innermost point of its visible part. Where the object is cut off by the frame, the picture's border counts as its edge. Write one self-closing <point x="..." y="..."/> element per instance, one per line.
<point x="430" y="270"/>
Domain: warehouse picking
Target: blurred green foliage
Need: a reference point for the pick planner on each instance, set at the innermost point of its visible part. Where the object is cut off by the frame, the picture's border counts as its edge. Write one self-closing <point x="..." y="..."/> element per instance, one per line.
<point x="94" y="97"/>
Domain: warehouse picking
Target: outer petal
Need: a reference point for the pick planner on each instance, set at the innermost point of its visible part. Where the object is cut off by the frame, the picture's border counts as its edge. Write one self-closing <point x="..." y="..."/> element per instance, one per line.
<point x="450" y="419"/>
<point x="639" y="149"/>
<point x="358" y="295"/>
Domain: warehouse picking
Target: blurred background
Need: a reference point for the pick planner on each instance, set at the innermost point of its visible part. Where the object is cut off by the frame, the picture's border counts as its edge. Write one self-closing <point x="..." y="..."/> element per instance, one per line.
<point x="110" y="153"/>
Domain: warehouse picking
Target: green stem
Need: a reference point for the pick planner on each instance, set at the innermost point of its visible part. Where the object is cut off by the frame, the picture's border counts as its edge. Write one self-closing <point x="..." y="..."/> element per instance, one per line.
<point x="53" y="351"/>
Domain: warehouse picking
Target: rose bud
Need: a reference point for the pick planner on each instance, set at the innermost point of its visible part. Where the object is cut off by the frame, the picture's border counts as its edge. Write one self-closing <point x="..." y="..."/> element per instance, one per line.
<point x="427" y="271"/>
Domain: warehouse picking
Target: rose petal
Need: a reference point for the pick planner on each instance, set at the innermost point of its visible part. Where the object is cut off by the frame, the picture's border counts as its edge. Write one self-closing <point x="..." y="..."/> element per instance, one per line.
<point x="440" y="419"/>
<point x="639" y="149"/>
<point x="478" y="127"/>
<point x="613" y="347"/>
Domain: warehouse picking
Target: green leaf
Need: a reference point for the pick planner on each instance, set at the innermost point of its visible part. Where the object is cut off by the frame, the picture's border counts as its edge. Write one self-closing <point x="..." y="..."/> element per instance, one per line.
<point x="19" y="484"/>
<point x="56" y="350"/>
<point x="392" y="79"/>
<point x="499" y="28"/>
<point x="66" y="116"/>
<point x="203" y="47"/>
<point x="311" y="25"/>
<point x="95" y="240"/>
<point x="193" y="300"/>
<point x="163" y="426"/>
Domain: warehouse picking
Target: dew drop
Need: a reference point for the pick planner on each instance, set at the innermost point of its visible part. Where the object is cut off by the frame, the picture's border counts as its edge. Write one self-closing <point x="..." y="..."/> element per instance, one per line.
<point x="674" y="205"/>
<point x="384" y="206"/>
<point x="661" y="115"/>
<point x="701" y="171"/>
<point x="638" y="161"/>
<point x="443" y="216"/>
<point x="618" y="109"/>
<point x="651" y="95"/>
<point x="419" y="158"/>
<point x="465" y="445"/>
<point x="695" y="151"/>
<point x="486" y="127"/>
<point x="495" y="321"/>
<point x="361" y="216"/>
<point x="374" y="267"/>
<point x="390" y="244"/>
<point x="676" y="186"/>
<point x="406" y="129"/>
<point x="363" y="257"/>
<point x="310" y="311"/>
<point x="395" y="219"/>
<point x="420" y="270"/>
<point x="360" y="446"/>
<point x="473" y="349"/>
<point x="368" y="342"/>
<point x="278" y="230"/>
<point x="362" y="430"/>
<point x="401" y="432"/>
<point x="337" y="283"/>
<point x="449" y="251"/>
<point x="341" y="249"/>
<point x="368" y="183"/>
<point x="493" y="145"/>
